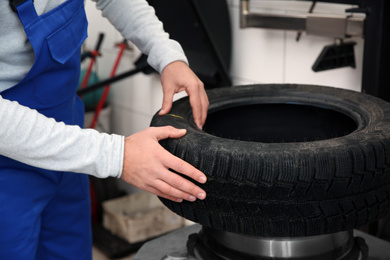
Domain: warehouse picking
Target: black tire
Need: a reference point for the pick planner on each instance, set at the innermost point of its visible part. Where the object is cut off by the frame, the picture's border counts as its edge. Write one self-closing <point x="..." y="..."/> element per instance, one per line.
<point x="286" y="160"/>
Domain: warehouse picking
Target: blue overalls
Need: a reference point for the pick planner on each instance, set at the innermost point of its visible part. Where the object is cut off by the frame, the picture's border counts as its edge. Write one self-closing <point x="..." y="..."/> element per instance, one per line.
<point x="46" y="214"/>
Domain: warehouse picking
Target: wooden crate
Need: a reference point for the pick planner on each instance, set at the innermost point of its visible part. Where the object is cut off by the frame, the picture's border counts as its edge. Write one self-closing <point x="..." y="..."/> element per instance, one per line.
<point x="138" y="217"/>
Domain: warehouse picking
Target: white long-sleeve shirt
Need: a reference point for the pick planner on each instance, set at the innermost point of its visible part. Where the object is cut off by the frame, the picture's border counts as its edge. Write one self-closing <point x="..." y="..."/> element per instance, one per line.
<point x="30" y="137"/>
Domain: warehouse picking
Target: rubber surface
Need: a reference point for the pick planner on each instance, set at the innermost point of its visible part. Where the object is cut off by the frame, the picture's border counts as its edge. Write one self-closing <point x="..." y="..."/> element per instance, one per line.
<point x="286" y="160"/>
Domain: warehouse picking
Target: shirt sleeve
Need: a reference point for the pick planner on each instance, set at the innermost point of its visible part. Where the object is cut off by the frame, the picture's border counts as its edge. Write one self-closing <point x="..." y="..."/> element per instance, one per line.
<point x="31" y="138"/>
<point x="137" y="22"/>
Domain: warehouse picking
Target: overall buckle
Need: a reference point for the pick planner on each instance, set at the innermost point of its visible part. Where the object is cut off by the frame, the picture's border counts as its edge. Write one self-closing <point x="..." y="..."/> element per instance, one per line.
<point x="14" y="3"/>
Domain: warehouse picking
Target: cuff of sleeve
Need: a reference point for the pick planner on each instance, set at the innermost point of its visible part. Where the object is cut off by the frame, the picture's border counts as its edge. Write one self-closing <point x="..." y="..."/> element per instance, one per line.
<point x="118" y="172"/>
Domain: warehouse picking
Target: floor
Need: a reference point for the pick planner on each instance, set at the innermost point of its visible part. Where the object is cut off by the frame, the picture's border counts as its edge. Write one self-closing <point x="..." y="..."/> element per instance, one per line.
<point x="97" y="255"/>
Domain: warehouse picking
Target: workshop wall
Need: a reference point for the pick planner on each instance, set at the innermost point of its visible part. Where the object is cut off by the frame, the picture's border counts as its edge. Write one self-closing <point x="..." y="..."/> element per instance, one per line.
<point x="259" y="56"/>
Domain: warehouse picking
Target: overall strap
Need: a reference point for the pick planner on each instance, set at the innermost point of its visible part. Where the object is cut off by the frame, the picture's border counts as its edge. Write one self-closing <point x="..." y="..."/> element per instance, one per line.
<point x="25" y="10"/>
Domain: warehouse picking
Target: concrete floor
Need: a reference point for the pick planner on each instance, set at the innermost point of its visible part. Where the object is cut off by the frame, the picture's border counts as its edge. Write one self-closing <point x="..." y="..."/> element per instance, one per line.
<point x="98" y="255"/>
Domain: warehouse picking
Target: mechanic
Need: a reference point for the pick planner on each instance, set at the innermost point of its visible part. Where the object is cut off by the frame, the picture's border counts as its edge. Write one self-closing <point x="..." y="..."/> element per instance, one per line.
<point x="45" y="156"/>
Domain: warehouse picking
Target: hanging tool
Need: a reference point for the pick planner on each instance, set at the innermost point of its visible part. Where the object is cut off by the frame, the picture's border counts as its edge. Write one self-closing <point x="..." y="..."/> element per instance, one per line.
<point x="338" y="55"/>
<point x="122" y="46"/>
<point x="141" y="65"/>
<point x="92" y="55"/>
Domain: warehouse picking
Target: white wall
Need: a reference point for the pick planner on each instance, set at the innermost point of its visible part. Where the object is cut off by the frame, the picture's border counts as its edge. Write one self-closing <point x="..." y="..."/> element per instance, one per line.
<point x="273" y="56"/>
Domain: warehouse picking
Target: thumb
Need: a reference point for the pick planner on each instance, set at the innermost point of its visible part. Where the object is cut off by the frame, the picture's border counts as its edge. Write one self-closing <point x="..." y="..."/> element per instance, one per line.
<point x="169" y="132"/>
<point x="167" y="102"/>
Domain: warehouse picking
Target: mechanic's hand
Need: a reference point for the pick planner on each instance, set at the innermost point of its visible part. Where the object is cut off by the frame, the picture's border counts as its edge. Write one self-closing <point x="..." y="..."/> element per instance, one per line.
<point x="146" y="165"/>
<point x="176" y="77"/>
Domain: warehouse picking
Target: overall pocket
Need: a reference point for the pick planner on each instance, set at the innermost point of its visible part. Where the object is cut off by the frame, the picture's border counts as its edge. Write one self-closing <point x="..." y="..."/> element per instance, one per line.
<point x="61" y="77"/>
<point x="67" y="40"/>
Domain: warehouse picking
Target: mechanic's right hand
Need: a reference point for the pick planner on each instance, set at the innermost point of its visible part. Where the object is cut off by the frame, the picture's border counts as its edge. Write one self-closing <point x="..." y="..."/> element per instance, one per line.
<point x="146" y="165"/>
<point x="176" y="77"/>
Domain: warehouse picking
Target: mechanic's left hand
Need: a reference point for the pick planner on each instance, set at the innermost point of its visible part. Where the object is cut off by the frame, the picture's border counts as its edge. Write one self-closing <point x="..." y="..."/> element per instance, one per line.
<point x="146" y="165"/>
<point x="176" y="77"/>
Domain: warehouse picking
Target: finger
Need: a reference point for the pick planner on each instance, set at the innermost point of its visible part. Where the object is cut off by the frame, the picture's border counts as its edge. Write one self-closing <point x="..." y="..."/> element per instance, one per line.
<point x="205" y="107"/>
<point x="180" y="166"/>
<point x="167" y="101"/>
<point x="196" y="105"/>
<point x="175" y="185"/>
<point x="177" y="192"/>
<point x="163" y="195"/>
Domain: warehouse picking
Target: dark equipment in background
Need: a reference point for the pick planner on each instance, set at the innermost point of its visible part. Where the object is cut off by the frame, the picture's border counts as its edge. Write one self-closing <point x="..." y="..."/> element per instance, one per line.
<point x="203" y="29"/>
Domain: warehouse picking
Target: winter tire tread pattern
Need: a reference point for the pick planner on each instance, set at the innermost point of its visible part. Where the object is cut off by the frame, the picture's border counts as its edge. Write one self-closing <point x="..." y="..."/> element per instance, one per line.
<point x="295" y="189"/>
